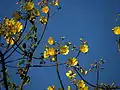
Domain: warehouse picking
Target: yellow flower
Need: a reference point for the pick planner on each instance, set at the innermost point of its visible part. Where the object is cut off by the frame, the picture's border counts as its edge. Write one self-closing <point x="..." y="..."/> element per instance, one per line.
<point x="12" y="27"/>
<point x="18" y="26"/>
<point x="28" y="5"/>
<point x="64" y="50"/>
<point x="10" y="41"/>
<point x="45" y="54"/>
<point x="70" y="74"/>
<point x="50" y="41"/>
<point x="72" y="61"/>
<point x="43" y="20"/>
<point x="51" y="88"/>
<point x="51" y="51"/>
<point x="36" y="12"/>
<point x="80" y="84"/>
<point x="84" y="48"/>
<point x="45" y="9"/>
<point x="85" y="88"/>
<point x="116" y="30"/>
<point x="9" y="22"/>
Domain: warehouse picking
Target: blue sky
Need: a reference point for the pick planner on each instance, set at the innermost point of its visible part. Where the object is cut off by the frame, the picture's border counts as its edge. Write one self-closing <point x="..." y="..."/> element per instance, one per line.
<point x="91" y="19"/>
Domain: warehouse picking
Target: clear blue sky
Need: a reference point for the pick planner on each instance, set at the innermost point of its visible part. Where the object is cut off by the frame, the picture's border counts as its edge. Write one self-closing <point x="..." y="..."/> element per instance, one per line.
<point x="91" y="19"/>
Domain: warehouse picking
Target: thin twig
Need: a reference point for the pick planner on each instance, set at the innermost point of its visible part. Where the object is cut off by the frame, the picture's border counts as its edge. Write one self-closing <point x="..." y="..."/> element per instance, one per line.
<point x="83" y="78"/>
<point x="13" y="50"/>
<point x="97" y="74"/>
<point x="48" y="65"/>
<point x="44" y="29"/>
<point x="14" y="60"/>
<point x="57" y="70"/>
<point x="78" y="54"/>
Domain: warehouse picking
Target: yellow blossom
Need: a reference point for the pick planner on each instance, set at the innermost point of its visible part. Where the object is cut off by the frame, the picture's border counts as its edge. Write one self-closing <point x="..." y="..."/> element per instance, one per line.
<point x="80" y="84"/>
<point x="64" y="50"/>
<point x="70" y="74"/>
<point x="45" y="54"/>
<point x="9" y="22"/>
<point x="116" y="30"/>
<point x="43" y="20"/>
<point x="28" y="5"/>
<point x="72" y="61"/>
<point x="45" y="9"/>
<point x="85" y="88"/>
<point x="51" y="51"/>
<point x="12" y="26"/>
<point x="18" y="26"/>
<point x="51" y="88"/>
<point x="84" y="48"/>
<point x="10" y="40"/>
<point x="50" y="41"/>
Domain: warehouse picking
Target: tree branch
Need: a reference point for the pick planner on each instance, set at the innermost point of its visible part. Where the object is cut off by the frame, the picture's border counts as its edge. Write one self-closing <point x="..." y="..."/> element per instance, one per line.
<point x="57" y="70"/>
<point x="4" y="70"/>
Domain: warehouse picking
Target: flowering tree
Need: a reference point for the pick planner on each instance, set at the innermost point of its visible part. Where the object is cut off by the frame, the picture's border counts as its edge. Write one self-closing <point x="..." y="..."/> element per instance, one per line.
<point x="22" y="41"/>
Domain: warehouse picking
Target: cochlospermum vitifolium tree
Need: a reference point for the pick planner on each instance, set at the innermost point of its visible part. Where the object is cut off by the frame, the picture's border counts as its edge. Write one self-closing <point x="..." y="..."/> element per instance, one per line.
<point x="20" y="35"/>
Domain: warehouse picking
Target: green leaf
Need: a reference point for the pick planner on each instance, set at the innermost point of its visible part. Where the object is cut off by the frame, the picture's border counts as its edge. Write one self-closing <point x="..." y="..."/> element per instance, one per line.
<point x="21" y="62"/>
<point x="27" y="36"/>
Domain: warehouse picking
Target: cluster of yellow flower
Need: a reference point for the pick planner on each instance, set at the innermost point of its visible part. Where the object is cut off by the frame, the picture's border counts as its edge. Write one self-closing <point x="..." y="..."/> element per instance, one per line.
<point x="64" y="50"/>
<point x="81" y="85"/>
<point x="10" y="27"/>
<point x="29" y="6"/>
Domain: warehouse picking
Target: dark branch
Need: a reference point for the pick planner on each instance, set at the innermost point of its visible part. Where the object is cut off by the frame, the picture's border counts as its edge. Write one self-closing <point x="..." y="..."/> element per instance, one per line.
<point x="4" y="70"/>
